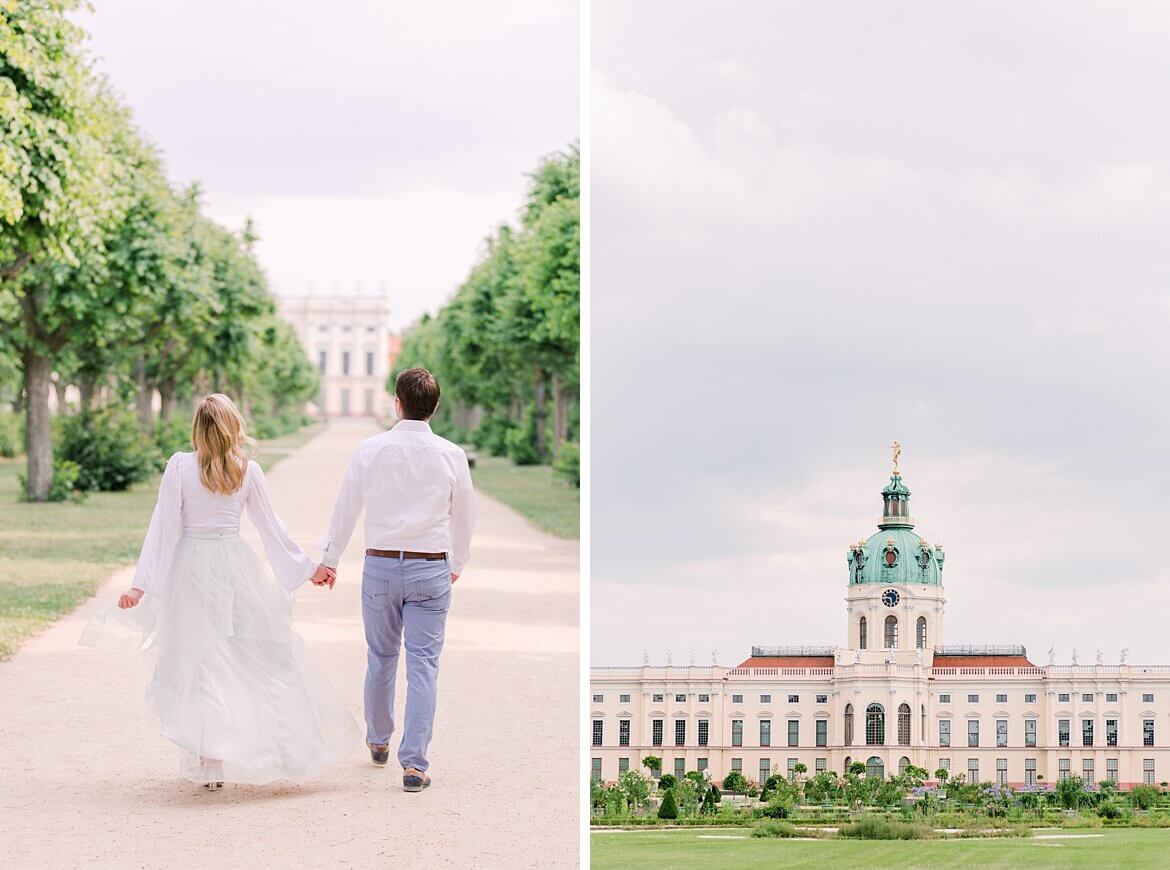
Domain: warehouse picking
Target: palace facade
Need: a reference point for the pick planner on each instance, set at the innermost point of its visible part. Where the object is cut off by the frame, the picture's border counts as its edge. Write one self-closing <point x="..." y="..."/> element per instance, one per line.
<point x="348" y="338"/>
<point x="894" y="694"/>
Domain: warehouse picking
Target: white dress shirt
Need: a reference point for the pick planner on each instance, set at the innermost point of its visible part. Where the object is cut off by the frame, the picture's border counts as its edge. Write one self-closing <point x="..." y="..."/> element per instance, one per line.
<point x="416" y="490"/>
<point x="185" y="505"/>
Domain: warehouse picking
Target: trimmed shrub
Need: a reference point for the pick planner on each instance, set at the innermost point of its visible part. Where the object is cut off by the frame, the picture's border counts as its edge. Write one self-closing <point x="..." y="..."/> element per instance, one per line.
<point x="110" y="452"/>
<point x="775" y="830"/>
<point x="1111" y="809"/>
<point x="567" y="465"/>
<point x="669" y="809"/>
<point x="734" y="782"/>
<point x="883" y="829"/>
<point x="668" y="781"/>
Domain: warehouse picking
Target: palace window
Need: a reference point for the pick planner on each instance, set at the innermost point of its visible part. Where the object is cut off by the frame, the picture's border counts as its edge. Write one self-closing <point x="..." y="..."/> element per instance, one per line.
<point x="623" y="765"/>
<point x="623" y="699"/>
<point x="704" y="699"/>
<point x="597" y="726"/>
<point x="861" y="633"/>
<point x="1029" y="698"/>
<point x="322" y="361"/>
<point x="680" y="732"/>
<point x="369" y="362"/>
<point x="737" y="765"/>
<point x="944" y="764"/>
<point x="737" y="699"/>
<point x="1001" y="771"/>
<point x="623" y="732"/>
<point x="904" y="725"/>
<point x="680" y="699"/>
<point x="1062" y="728"/>
<point x="701" y="764"/>
<point x="972" y="732"/>
<point x="944" y="699"/>
<point x="1029" y="732"/>
<point x="1001" y="699"/>
<point x="1110" y="732"/>
<point x="972" y="699"/>
<point x="792" y="769"/>
<point x="922" y="722"/>
<point x="875" y="768"/>
<point x="1030" y="771"/>
<point x="848" y="724"/>
<point x="903" y="763"/>
<point x="596" y="771"/>
<point x="1064" y="769"/>
<point x="1147" y="771"/>
<point x="793" y="732"/>
<point x="920" y="634"/>
<point x="1001" y="732"/>
<point x="794" y="699"/>
<point x="1087" y="697"/>
<point x="822" y="699"/>
<point x="737" y="732"/>
<point x="1087" y="770"/>
<point x="891" y="632"/>
<point x="1111" y="697"/>
<point x="944" y="732"/>
<point x="875" y="725"/>
<point x="821" y="765"/>
<point x="765" y="770"/>
<point x="704" y="731"/>
<point x="656" y="732"/>
<point x="1111" y="770"/>
<point x="765" y="732"/>
<point x="345" y="362"/>
<point x="765" y="699"/>
<point x="1086" y="732"/>
<point x="657" y="698"/>
<point x="1148" y="698"/>
<point x="599" y="699"/>
<point x="1063" y="697"/>
<point x="822" y="732"/>
<point x="1147" y="732"/>
<point x="680" y="768"/>
<point x="972" y="770"/>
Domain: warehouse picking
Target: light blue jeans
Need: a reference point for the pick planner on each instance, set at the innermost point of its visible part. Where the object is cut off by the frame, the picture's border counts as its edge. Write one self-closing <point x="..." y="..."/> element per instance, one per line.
<point x="404" y="597"/>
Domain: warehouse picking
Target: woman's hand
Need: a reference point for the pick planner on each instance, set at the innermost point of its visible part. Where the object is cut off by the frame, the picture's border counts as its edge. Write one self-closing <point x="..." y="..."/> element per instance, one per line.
<point x="130" y="597"/>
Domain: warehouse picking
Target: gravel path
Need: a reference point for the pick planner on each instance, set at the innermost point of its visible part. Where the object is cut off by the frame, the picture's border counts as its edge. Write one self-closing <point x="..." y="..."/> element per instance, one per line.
<point x="86" y="780"/>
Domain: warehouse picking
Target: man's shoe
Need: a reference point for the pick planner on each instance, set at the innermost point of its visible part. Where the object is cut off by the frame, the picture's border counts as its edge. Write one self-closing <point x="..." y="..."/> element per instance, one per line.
<point x="414" y="780"/>
<point x="379" y="753"/>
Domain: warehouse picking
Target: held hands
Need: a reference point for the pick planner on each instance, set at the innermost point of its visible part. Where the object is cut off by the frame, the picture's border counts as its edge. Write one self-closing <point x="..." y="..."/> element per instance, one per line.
<point x="324" y="576"/>
<point x="454" y="577"/>
<point x="130" y="598"/>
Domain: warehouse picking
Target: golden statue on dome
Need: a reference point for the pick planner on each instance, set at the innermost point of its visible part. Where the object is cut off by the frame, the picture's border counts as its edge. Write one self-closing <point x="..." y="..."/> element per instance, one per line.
<point x="897" y="448"/>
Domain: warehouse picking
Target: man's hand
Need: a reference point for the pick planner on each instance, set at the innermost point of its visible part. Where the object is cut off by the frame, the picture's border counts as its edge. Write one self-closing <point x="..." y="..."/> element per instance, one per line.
<point x="454" y="577"/>
<point x="130" y="598"/>
<point x="324" y="576"/>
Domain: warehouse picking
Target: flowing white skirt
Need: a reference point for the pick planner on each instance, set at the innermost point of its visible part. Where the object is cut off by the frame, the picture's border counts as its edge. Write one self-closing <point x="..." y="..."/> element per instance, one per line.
<point x="232" y="682"/>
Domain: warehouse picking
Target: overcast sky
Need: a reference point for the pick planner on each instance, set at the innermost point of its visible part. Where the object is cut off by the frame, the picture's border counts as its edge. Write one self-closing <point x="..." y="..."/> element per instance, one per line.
<point x="818" y="227"/>
<point x="371" y="140"/>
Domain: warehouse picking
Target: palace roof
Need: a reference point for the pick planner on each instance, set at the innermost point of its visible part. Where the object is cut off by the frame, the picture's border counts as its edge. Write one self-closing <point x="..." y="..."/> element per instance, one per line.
<point x="992" y="661"/>
<point x="788" y="662"/>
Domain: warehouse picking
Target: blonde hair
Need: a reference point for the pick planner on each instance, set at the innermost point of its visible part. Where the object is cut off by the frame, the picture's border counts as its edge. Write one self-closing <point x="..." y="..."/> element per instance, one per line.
<point x="221" y="444"/>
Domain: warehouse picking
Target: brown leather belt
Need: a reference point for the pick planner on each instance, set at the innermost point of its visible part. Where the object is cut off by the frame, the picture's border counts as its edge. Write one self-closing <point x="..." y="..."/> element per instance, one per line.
<point x="406" y="554"/>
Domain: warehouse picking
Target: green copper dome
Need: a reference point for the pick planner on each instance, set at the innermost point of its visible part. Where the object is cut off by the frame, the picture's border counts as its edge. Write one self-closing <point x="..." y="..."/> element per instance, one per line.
<point x="895" y="554"/>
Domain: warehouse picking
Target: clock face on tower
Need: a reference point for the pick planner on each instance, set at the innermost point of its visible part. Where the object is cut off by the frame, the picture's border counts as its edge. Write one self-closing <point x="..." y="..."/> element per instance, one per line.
<point x="890" y="597"/>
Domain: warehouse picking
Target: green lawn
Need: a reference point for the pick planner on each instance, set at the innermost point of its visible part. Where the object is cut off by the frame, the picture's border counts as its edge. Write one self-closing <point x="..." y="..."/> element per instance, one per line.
<point x="53" y="556"/>
<point x="684" y="849"/>
<point x="532" y="490"/>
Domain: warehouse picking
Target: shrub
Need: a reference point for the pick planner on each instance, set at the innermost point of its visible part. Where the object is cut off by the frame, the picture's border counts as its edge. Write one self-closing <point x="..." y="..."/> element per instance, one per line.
<point x="669" y="809"/>
<point x="883" y="829"/>
<point x="734" y="782"/>
<point x="520" y="446"/>
<point x="780" y="830"/>
<point x="491" y="434"/>
<point x="1143" y="796"/>
<point x="64" y="486"/>
<point x="568" y="463"/>
<point x="668" y="781"/>
<point x="108" y="448"/>
<point x="171" y="437"/>
<point x="1110" y="809"/>
<point x="11" y="435"/>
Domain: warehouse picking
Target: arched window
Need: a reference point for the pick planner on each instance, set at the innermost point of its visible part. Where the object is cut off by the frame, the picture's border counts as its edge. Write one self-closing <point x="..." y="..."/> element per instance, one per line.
<point x="891" y="632"/>
<point x="861" y="633"/>
<point x="848" y="728"/>
<point x="923" y="724"/>
<point x="875" y="768"/>
<point x="922" y="632"/>
<point x="904" y="725"/>
<point x="875" y="725"/>
<point x="903" y="763"/>
<point x="848" y="761"/>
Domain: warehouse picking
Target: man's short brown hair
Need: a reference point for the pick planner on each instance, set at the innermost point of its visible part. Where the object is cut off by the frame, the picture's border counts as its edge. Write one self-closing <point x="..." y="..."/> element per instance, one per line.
<point x="418" y="391"/>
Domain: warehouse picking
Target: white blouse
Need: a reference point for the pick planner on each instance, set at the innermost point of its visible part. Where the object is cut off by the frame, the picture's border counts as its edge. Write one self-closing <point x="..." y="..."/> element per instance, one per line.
<point x="186" y="505"/>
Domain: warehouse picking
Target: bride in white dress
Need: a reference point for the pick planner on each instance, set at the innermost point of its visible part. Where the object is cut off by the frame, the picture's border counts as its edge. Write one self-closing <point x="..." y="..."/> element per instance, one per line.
<point x="232" y="683"/>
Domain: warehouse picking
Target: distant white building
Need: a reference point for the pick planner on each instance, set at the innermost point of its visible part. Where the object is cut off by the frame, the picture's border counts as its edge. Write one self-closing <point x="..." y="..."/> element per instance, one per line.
<point x="348" y="337"/>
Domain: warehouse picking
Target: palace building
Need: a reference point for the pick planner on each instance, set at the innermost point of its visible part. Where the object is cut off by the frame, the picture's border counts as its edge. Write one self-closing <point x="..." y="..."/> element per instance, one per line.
<point x="894" y="694"/>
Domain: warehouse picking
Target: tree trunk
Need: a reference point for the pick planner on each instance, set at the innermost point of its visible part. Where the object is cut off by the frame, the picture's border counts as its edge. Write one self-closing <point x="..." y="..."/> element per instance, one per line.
<point x="145" y="401"/>
<point x="560" y="414"/>
<point x="87" y="387"/>
<point x="540" y="413"/>
<point x="38" y="437"/>
<point x="166" y="397"/>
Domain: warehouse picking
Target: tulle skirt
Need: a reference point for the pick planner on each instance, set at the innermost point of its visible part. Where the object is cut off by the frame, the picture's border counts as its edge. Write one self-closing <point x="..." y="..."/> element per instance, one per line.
<point x="232" y="682"/>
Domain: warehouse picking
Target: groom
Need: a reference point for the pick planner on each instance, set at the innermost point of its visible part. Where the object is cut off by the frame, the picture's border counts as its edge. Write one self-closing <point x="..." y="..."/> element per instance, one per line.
<point x="415" y="488"/>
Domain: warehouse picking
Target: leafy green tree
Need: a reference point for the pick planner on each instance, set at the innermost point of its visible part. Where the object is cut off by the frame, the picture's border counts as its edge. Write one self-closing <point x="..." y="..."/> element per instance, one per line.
<point x="653" y="763"/>
<point x="635" y="788"/>
<point x="735" y="782"/>
<point x="1071" y="794"/>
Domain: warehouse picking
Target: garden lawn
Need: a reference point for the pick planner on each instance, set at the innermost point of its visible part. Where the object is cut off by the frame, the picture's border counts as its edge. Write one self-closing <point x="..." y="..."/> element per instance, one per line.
<point x="533" y="491"/>
<point x="54" y="556"/>
<point x="685" y="849"/>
